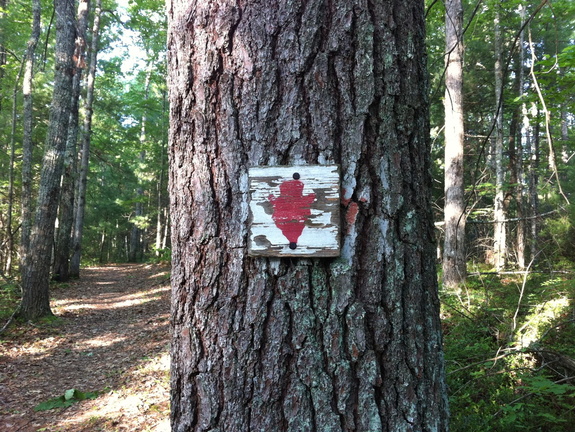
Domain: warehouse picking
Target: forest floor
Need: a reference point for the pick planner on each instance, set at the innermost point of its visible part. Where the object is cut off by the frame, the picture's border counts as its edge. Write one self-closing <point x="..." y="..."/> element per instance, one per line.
<point x="108" y="340"/>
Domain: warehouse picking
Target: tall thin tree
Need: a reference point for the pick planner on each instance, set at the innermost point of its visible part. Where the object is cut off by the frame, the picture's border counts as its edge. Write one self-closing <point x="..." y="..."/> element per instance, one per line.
<point x="3" y="51"/>
<point x="36" y="269"/>
<point x="136" y="247"/>
<point x="499" y="234"/>
<point x="27" y="143"/>
<point x="66" y="208"/>
<point x="9" y="228"/>
<point x="523" y="145"/>
<point x="454" y="255"/>
<point x="80" y="198"/>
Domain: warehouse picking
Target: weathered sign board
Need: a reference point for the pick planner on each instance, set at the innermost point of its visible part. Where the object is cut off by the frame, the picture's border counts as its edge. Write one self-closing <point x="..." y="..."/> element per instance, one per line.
<point x="294" y="211"/>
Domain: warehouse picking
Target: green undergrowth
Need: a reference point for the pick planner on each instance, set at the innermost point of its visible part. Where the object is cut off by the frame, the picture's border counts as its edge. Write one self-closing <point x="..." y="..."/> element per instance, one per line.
<point x="509" y="353"/>
<point x="9" y="299"/>
<point x="69" y="397"/>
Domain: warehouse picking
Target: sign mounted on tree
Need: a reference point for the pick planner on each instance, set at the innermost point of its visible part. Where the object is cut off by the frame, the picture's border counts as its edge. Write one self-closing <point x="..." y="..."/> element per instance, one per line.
<point x="294" y="211"/>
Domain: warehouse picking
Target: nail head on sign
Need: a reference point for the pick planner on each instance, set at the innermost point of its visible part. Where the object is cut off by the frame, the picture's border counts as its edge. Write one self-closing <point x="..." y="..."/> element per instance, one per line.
<point x="296" y="176"/>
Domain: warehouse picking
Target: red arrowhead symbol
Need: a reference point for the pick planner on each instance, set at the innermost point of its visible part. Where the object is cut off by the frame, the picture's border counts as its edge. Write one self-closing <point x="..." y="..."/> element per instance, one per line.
<point x="291" y="209"/>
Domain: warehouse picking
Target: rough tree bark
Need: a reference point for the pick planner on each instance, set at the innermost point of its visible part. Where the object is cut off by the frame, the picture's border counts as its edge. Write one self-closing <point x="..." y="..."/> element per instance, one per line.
<point x="80" y="198"/>
<point x="27" y="144"/>
<point x="454" y="254"/>
<point x="9" y="240"/>
<point x="66" y="208"/>
<point x="36" y="273"/>
<point x="270" y="344"/>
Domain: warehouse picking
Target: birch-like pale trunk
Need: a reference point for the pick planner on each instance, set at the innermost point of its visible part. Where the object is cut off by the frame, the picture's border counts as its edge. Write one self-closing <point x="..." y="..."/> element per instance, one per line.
<point x="533" y="183"/>
<point x="454" y="255"/>
<point x="522" y="146"/>
<point x="565" y="156"/>
<point x="300" y="344"/>
<point x="166" y="235"/>
<point x="499" y="231"/>
<point x="159" y="202"/>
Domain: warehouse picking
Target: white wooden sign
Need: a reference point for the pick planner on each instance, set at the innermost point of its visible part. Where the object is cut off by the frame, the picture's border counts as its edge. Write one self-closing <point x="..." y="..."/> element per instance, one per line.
<point x="294" y="211"/>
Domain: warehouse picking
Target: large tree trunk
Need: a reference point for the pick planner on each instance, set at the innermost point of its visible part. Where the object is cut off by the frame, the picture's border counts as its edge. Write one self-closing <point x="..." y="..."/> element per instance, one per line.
<point x="454" y="254"/>
<point x="27" y="145"/>
<point x="80" y="198"/>
<point x="66" y="213"/>
<point x="36" y="274"/>
<point x="292" y="344"/>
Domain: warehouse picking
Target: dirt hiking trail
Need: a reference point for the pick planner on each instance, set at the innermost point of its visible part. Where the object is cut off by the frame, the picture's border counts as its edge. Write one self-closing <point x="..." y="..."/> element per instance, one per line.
<point x="110" y="336"/>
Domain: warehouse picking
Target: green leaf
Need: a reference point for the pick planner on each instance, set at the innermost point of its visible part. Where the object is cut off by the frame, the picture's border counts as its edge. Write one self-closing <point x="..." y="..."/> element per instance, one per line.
<point x="58" y="402"/>
<point x="69" y="394"/>
<point x="69" y="397"/>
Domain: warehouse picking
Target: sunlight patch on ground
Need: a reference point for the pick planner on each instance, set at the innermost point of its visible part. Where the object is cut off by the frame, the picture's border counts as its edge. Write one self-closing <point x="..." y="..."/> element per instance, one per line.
<point x="540" y="319"/>
<point x="113" y="302"/>
<point x="102" y="341"/>
<point x="37" y="349"/>
<point x="146" y="392"/>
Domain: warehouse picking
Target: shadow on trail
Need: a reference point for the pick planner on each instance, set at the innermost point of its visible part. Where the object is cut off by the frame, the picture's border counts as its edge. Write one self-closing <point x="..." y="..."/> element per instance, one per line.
<point x="109" y="322"/>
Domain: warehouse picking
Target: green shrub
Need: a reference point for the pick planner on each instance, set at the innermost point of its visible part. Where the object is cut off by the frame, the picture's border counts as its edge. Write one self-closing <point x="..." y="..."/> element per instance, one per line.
<point x="501" y="354"/>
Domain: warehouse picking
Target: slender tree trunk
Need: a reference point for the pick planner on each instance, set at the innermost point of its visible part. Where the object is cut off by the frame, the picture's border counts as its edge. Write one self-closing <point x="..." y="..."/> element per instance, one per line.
<point x="564" y="134"/>
<point x="515" y="190"/>
<point x="158" y="244"/>
<point x="27" y="144"/>
<point x="533" y="185"/>
<point x="66" y="215"/>
<point x="9" y="229"/>
<point x="531" y="133"/>
<point x="136" y="247"/>
<point x="514" y="163"/>
<point x="279" y="344"/>
<point x="564" y="119"/>
<point x="80" y="198"/>
<point x="166" y="235"/>
<point x="36" y="275"/>
<point x="2" y="48"/>
<point x="160" y="190"/>
<point x="102" y="246"/>
<point x="522" y="146"/>
<point x="499" y="234"/>
<point x="454" y="254"/>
